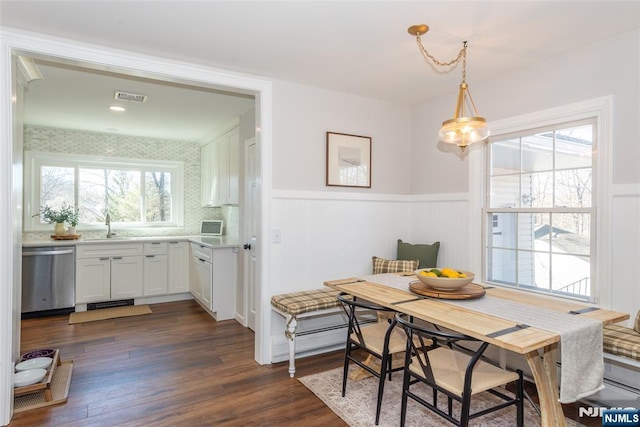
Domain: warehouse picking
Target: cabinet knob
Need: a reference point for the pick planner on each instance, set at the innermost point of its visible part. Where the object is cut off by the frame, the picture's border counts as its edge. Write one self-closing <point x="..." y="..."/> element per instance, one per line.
<point x="247" y="246"/>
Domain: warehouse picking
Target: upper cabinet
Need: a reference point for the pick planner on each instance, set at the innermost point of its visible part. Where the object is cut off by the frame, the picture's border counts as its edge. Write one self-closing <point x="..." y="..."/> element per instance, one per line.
<point x="220" y="170"/>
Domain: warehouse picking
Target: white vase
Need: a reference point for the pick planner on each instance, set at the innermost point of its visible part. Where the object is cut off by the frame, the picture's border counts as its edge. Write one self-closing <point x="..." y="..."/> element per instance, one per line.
<point x="59" y="229"/>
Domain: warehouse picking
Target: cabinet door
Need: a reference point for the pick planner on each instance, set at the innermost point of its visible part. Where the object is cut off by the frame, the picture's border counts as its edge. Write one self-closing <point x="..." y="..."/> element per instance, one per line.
<point x="233" y="170"/>
<point x="178" y="268"/>
<point x="205" y="278"/>
<point x="93" y="280"/>
<point x="215" y="197"/>
<point x="195" y="278"/>
<point x="205" y="175"/>
<point x="223" y="299"/>
<point x="126" y="277"/>
<point x="155" y="275"/>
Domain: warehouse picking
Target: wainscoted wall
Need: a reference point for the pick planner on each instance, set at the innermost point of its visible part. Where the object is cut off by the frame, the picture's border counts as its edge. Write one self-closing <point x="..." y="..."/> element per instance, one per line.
<point x="111" y="145"/>
<point x="625" y="253"/>
<point x="336" y="235"/>
<point x="328" y="236"/>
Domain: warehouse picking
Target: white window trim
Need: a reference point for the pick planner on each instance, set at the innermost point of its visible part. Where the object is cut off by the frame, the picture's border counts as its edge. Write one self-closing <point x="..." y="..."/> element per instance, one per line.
<point x="33" y="160"/>
<point x="602" y="110"/>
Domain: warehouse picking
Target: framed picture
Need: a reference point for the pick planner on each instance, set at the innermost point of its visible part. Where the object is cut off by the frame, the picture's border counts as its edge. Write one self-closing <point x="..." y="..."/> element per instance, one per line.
<point x="348" y="160"/>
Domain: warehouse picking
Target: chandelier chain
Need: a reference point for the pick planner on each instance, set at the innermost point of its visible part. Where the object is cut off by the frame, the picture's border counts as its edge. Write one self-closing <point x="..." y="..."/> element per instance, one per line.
<point x="428" y="57"/>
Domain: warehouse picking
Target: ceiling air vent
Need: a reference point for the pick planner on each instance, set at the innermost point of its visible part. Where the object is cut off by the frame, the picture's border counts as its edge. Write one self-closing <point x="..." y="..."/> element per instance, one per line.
<point x="129" y="96"/>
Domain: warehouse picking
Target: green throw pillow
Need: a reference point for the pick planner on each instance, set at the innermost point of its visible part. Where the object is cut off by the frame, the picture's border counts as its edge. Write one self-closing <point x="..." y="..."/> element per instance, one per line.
<point x="427" y="254"/>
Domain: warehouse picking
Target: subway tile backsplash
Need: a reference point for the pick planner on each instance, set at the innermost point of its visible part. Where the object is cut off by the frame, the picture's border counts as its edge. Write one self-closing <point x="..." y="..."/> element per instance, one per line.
<point x="112" y="145"/>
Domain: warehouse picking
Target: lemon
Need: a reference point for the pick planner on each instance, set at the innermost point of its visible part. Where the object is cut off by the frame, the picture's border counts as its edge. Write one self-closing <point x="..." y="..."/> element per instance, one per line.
<point x="430" y="274"/>
<point x="450" y="273"/>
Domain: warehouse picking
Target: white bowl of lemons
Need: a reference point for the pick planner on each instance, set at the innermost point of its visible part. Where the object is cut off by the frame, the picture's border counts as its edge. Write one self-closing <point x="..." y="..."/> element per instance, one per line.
<point x="445" y="279"/>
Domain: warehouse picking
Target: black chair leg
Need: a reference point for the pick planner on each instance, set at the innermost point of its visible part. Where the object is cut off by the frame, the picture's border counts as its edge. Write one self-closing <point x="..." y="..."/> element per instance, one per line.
<point x="464" y="411"/>
<point x="520" y="397"/>
<point x="403" y="407"/>
<point x="381" y="380"/>
<point x="345" y="372"/>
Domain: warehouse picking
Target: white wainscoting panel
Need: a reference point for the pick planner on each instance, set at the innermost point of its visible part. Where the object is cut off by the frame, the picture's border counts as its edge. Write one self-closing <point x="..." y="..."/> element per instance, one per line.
<point x="625" y="244"/>
<point x="444" y="218"/>
<point x="327" y="236"/>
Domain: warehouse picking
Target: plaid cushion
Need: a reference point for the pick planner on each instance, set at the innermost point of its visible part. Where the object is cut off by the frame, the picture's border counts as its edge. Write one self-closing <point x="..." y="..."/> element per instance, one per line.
<point x="381" y="265"/>
<point x="296" y="303"/>
<point x="622" y="341"/>
<point x="636" y="325"/>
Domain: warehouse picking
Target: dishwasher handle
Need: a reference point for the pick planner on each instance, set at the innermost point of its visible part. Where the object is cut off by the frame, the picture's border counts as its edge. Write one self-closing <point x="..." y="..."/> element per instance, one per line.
<point x="59" y="252"/>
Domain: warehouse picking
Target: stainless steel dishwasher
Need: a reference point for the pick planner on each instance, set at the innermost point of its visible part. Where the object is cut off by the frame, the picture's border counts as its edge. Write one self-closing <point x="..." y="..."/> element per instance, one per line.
<point x="48" y="280"/>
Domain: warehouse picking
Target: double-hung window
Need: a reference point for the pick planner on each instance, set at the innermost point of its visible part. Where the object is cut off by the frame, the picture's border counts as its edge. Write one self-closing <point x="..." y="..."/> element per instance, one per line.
<point x="135" y="193"/>
<point x="540" y="209"/>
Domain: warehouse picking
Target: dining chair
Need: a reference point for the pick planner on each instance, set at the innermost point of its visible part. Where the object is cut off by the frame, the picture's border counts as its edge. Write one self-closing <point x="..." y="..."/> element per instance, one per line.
<point x="443" y="361"/>
<point x="378" y="336"/>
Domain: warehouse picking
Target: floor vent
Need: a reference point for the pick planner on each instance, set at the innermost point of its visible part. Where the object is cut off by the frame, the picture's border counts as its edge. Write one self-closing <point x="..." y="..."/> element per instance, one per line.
<point x="109" y="304"/>
<point x="129" y="96"/>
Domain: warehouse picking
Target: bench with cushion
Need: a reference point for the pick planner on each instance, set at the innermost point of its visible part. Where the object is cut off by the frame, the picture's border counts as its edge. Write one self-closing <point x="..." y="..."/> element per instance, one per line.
<point x="298" y="305"/>
<point x="320" y="302"/>
<point x="621" y="341"/>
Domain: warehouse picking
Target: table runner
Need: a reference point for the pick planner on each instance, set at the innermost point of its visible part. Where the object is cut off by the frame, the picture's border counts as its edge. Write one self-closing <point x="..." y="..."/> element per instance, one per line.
<point x="582" y="365"/>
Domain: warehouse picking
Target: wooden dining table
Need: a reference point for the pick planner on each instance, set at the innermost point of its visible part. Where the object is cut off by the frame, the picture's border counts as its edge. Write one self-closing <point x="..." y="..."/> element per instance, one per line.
<point x="538" y="346"/>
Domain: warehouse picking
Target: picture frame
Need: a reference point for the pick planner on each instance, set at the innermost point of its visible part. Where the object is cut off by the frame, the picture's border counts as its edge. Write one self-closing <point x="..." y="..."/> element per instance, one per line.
<point x="348" y="160"/>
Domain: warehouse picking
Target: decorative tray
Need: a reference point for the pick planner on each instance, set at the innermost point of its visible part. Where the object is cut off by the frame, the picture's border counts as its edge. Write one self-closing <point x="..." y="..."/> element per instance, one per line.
<point x="470" y="291"/>
<point x="45" y="384"/>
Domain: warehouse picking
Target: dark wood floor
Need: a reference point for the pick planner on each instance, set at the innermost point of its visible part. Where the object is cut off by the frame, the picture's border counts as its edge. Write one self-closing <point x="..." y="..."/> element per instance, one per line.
<point x="175" y="367"/>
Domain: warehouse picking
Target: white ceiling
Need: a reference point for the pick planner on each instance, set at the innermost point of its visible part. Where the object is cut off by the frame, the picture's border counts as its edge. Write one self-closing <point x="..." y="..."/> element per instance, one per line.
<point x="358" y="47"/>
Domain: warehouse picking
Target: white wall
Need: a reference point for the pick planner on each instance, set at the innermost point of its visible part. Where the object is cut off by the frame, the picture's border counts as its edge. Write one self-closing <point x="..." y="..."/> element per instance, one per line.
<point x="329" y="232"/>
<point x="301" y="117"/>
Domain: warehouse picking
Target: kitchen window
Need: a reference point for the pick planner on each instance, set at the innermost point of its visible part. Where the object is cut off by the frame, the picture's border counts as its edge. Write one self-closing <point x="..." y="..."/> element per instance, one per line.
<point x="136" y="193"/>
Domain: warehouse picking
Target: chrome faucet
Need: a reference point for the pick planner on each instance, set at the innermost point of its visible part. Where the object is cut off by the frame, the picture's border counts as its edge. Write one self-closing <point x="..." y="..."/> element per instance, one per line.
<point x="107" y="222"/>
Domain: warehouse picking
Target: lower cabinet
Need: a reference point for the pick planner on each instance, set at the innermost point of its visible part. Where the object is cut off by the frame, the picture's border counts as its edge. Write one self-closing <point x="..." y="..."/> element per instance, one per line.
<point x="155" y="275"/>
<point x="108" y="278"/>
<point x="93" y="280"/>
<point x="116" y="271"/>
<point x="213" y="279"/>
<point x="178" y="274"/>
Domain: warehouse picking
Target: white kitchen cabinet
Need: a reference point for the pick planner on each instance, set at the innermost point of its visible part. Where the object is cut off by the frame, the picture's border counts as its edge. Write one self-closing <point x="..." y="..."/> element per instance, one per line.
<point x="223" y="283"/>
<point x="229" y="168"/>
<point x="200" y="277"/>
<point x="206" y="171"/>
<point x="220" y="168"/>
<point x="213" y="279"/>
<point x="178" y="267"/>
<point x="108" y="272"/>
<point x="155" y="275"/>
<point x="93" y="280"/>
<point x="126" y="277"/>
<point x="155" y="280"/>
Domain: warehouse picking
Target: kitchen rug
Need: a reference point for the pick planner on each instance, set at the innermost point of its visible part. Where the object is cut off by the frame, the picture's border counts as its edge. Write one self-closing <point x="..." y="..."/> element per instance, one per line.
<point x="59" y="391"/>
<point x="108" y="313"/>
<point x="358" y="407"/>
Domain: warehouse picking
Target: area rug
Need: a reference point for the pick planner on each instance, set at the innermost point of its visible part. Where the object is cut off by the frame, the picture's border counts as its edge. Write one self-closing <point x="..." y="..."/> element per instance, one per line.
<point x="358" y="407"/>
<point x="108" y="313"/>
<point x="59" y="391"/>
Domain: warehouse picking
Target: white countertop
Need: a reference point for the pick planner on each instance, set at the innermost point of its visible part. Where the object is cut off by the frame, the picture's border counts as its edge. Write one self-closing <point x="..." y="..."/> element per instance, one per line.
<point x="209" y="241"/>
